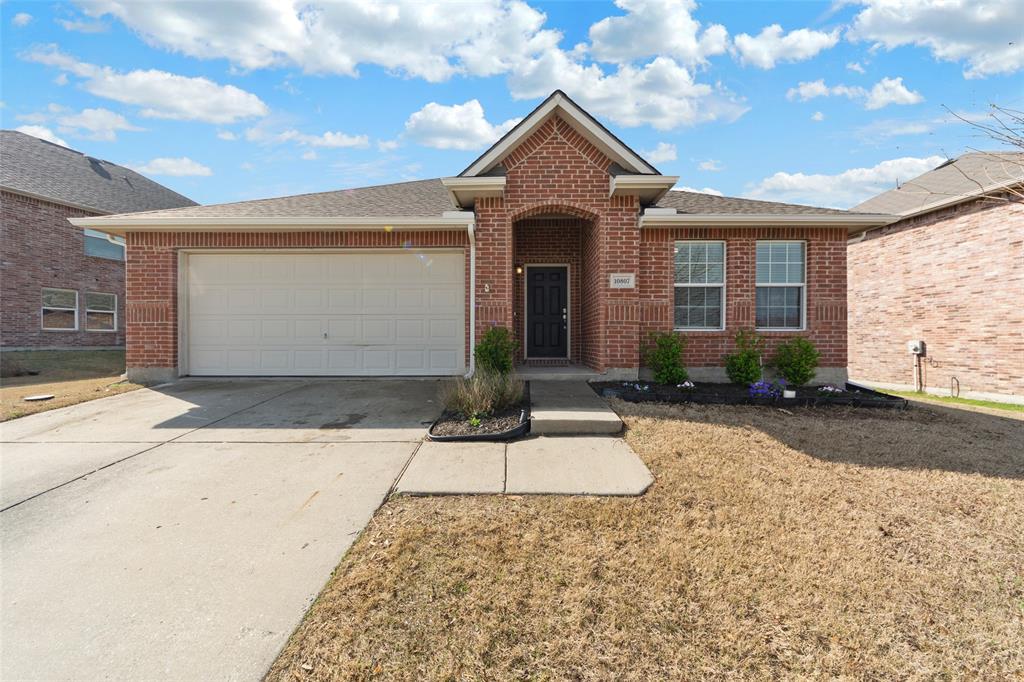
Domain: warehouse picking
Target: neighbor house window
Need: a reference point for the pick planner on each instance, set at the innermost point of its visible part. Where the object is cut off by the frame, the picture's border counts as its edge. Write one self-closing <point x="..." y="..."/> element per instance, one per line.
<point x="699" y="285"/>
<point x="100" y="312"/>
<point x="104" y="246"/>
<point x="60" y="309"/>
<point x="781" y="285"/>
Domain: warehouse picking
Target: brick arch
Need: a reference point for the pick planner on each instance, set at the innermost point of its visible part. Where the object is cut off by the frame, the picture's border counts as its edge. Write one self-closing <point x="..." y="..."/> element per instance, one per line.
<point x="556" y="207"/>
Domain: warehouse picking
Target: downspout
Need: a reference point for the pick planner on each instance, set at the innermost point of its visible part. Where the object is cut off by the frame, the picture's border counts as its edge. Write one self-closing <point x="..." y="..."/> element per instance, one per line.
<point x="471" y="231"/>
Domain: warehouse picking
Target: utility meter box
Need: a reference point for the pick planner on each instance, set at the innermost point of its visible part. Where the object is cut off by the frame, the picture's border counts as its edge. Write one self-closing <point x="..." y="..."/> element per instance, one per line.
<point x="915" y="347"/>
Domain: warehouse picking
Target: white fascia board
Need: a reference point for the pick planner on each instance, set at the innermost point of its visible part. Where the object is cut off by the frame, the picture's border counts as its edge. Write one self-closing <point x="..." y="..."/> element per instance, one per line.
<point x="463" y="190"/>
<point x="451" y="220"/>
<point x="754" y="220"/>
<point x="641" y="184"/>
<point x="952" y="201"/>
<point x="598" y="137"/>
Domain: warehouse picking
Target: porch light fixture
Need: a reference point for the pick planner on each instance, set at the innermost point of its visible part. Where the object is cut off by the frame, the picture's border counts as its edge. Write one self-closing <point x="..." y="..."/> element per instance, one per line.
<point x="519" y="269"/>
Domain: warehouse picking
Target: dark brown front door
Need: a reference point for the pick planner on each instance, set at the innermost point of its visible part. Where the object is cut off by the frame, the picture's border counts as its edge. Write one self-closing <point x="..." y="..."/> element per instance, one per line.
<point x="547" y="312"/>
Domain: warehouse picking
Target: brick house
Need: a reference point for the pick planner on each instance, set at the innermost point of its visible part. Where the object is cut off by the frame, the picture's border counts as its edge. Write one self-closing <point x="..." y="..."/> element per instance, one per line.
<point x="559" y="232"/>
<point x="60" y="287"/>
<point x="949" y="272"/>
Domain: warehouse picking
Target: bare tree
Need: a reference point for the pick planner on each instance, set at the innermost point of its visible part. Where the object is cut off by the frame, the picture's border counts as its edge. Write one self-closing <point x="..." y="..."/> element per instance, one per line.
<point x="1004" y="126"/>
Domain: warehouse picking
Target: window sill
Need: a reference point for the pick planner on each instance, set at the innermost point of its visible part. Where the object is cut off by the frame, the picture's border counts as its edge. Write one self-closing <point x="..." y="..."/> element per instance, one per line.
<point x="791" y="330"/>
<point x="51" y="329"/>
<point x="698" y="329"/>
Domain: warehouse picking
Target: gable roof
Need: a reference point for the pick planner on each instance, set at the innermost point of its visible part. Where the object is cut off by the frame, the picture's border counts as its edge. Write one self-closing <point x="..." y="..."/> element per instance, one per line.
<point x="49" y="171"/>
<point x="964" y="178"/>
<point x="558" y="103"/>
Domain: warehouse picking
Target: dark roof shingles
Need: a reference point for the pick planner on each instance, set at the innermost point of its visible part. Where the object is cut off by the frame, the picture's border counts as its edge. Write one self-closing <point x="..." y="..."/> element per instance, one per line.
<point x="710" y="204"/>
<point x="44" y="169"/>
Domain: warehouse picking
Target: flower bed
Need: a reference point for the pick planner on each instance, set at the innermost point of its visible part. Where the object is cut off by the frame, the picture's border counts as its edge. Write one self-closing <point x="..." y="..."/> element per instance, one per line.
<point x="507" y="424"/>
<point x="760" y="393"/>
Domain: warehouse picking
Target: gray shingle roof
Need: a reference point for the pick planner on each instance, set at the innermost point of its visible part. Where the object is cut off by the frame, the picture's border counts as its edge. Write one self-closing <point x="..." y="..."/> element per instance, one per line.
<point x="710" y="204"/>
<point x="954" y="180"/>
<point x="425" y="198"/>
<point x="44" y="169"/>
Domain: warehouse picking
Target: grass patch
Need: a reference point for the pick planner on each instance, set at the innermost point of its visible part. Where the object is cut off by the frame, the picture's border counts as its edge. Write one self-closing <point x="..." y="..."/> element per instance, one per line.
<point x="805" y="543"/>
<point x="71" y="376"/>
<point x="949" y="400"/>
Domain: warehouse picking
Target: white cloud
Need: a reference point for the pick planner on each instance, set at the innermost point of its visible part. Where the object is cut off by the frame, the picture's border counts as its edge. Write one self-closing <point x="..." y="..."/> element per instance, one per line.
<point x="770" y="46"/>
<point x="885" y="92"/>
<point x="43" y="133"/>
<point x="161" y="94"/>
<point x="175" y="167"/>
<point x="327" y="139"/>
<point x="79" y="26"/>
<point x="661" y="93"/>
<point x="227" y="135"/>
<point x="844" y="189"/>
<point x="21" y="19"/>
<point x="711" y="165"/>
<point x="61" y="79"/>
<point x="387" y="145"/>
<point x="855" y="66"/>
<point x="817" y="116"/>
<point x="459" y="126"/>
<point x="309" y="155"/>
<point x="656" y="28"/>
<point x="432" y="41"/>
<point x="706" y="190"/>
<point x="891" y="91"/>
<point x="986" y="34"/>
<point x="98" y="124"/>
<point x="662" y="152"/>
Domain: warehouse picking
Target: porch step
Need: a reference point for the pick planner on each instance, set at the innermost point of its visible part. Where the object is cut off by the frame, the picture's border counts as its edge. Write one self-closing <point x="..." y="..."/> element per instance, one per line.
<point x="570" y="407"/>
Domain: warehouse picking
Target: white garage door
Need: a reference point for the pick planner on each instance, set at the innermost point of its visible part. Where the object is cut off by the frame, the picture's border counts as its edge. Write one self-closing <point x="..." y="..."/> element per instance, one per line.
<point x="371" y="314"/>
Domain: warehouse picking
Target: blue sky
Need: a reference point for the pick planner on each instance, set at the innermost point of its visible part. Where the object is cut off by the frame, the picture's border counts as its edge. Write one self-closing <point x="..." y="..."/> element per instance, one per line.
<point x="820" y="103"/>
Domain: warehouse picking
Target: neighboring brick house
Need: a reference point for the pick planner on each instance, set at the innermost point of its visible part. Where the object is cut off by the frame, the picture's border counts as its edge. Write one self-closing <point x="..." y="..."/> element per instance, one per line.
<point x="62" y="287"/>
<point x="949" y="272"/>
<point x="559" y="231"/>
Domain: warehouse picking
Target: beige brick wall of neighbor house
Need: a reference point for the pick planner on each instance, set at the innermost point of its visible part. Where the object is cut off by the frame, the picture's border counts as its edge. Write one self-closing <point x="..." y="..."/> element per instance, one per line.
<point x="954" y="279"/>
<point x="40" y="248"/>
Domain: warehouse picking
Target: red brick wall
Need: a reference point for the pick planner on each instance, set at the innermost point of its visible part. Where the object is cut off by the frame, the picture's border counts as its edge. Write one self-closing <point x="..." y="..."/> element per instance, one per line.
<point x="826" y="289"/>
<point x="42" y="249"/>
<point x="557" y="172"/>
<point x="152" y="280"/>
<point x="954" y="278"/>
<point x="552" y="241"/>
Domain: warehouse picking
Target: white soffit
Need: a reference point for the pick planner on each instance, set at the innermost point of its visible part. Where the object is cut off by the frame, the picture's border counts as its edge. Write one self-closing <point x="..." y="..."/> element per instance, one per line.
<point x="463" y="191"/>
<point x="649" y="188"/>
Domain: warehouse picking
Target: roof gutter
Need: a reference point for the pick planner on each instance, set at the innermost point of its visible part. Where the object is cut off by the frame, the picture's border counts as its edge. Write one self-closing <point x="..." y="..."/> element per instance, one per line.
<point x="449" y="220"/>
<point x="851" y="221"/>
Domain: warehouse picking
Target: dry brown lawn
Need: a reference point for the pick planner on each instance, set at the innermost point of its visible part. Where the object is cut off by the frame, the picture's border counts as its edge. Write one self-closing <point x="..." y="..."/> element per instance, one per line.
<point x="70" y="376"/>
<point x="818" y="543"/>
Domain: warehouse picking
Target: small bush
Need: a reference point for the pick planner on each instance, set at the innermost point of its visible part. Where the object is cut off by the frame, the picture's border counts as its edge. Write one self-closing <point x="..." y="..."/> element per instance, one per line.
<point x="482" y="394"/>
<point x="665" y="357"/>
<point x="495" y="351"/>
<point x="796" y="361"/>
<point x="744" y="366"/>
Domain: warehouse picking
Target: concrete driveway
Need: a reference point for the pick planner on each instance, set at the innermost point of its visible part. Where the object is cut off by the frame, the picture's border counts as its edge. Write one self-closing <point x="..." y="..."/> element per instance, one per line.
<point x="181" y="533"/>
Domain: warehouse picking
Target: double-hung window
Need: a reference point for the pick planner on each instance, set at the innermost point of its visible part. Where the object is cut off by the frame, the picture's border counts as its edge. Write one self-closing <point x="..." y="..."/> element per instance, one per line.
<point x="699" y="285"/>
<point x="781" y="285"/>
<point x="60" y="310"/>
<point x="100" y="312"/>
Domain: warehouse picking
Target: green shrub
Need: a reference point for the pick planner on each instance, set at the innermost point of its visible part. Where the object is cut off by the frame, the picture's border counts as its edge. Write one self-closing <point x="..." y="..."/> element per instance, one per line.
<point x="665" y="357"/>
<point x="482" y="394"/>
<point x="744" y="366"/>
<point x="796" y="361"/>
<point x="496" y="351"/>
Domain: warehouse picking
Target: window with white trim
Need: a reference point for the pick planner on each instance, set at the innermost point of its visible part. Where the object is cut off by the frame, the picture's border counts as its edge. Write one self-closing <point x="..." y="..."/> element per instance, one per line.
<point x="60" y="310"/>
<point x="781" y="285"/>
<point x="100" y="312"/>
<point x="699" y="285"/>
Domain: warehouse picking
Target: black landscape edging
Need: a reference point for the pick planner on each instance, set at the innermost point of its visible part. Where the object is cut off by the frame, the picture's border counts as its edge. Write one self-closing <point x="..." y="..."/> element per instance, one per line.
<point x="857" y="396"/>
<point x="518" y="431"/>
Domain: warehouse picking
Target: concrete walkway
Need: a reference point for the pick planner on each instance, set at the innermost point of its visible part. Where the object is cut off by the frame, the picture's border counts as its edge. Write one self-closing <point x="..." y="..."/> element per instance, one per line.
<point x="541" y="465"/>
<point x="570" y="407"/>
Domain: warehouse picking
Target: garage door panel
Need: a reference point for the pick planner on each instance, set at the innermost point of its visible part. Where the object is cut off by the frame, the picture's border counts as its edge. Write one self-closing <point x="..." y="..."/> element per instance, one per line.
<point x="326" y="314"/>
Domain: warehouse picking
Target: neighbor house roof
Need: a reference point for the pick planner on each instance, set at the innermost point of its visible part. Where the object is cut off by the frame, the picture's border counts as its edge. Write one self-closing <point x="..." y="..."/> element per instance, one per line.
<point x="968" y="176"/>
<point x="49" y="171"/>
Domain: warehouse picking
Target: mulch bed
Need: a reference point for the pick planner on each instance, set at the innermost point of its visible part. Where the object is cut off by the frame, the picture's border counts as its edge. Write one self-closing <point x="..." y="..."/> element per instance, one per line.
<point x="507" y="424"/>
<point x="738" y="394"/>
